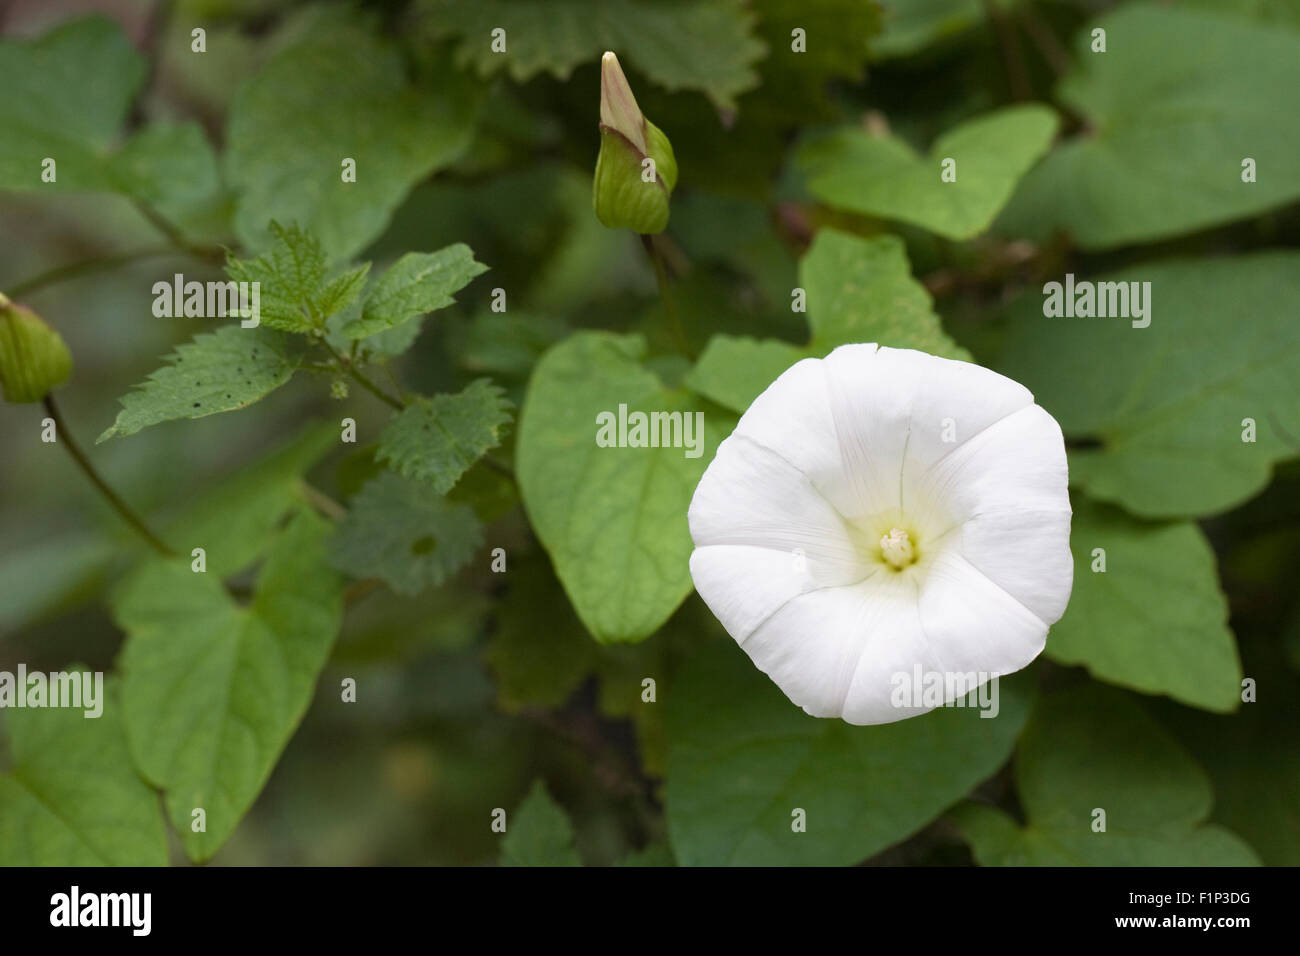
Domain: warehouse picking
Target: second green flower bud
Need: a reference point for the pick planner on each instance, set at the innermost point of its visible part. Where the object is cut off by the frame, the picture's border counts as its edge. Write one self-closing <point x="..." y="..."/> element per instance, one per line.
<point x="636" y="170"/>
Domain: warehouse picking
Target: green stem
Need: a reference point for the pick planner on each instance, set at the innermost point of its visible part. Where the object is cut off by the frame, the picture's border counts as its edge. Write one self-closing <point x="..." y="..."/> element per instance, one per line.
<point x="64" y="437"/>
<point x="675" y="327"/>
<point x="322" y="502"/>
<point x="177" y="238"/>
<point x="500" y="467"/>
<point x="88" y="267"/>
<point x="365" y="383"/>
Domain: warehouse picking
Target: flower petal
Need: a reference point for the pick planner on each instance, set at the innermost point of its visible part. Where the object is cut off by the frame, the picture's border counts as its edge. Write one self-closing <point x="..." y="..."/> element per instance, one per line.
<point x="750" y="495"/>
<point x="897" y="411"/>
<point x="834" y="651"/>
<point x="792" y="418"/>
<point x="1026" y="554"/>
<point x="1016" y="464"/>
<point x="974" y="625"/>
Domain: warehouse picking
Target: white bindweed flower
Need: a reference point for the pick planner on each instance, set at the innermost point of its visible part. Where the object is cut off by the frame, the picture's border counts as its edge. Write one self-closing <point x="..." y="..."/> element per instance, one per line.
<point x="881" y="509"/>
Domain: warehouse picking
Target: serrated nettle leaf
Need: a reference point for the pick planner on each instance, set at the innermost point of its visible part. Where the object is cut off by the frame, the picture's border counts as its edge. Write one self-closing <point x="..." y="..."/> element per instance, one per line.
<point x="294" y="293"/>
<point x="955" y="190"/>
<point x="1146" y="611"/>
<point x="539" y="833"/>
<point x="212" y="690"/>
<point x="606" y="485"/>
<point x="1190" y="412"/>
<point x="742" y="760"/>
<point x="71" y="796"/>
<point x="399" y="532"/>
<point x="1175" y="106"/>
<point x="435" y="440"/>
<point x="705" y="45"/>
<point x="1102" y="785"/>
<point x="854" y="290"/>
<point x="217" y="372"/>
<point x="416" y="284"/>
<point x="340" y="93"/>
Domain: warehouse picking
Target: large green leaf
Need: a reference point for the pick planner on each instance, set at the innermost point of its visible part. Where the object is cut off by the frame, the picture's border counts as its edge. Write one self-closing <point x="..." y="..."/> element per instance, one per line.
<point x="858" y="290"/>
<point x="613" y="519"/>
<point x="1177" y="101"/>
<point x="1167" y="402"/>
<point x="883" y="176"/>
<point x="339" y="93"/>
<point x="742" y="758"/>
<point x="217" y="372"/>
<point x="705" y="45"/>
<point x="235" y="520"/>
<point x="71" y="796"/>
<point x="539" y="833"/>
<point x="1093" y="748"/>
<point x="212" y="689"/>
<point x="1253" y="758"/>
<point x="1154" y="619"/>
<point x="65" y="96"/>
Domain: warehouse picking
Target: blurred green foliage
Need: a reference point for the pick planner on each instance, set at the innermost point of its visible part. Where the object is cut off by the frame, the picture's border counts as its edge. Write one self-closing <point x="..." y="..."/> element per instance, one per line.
<point x="500" y="596"/>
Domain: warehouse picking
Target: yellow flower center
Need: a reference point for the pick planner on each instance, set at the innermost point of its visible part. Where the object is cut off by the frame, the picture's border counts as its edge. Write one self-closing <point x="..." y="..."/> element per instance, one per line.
<point x="896" y="548"/>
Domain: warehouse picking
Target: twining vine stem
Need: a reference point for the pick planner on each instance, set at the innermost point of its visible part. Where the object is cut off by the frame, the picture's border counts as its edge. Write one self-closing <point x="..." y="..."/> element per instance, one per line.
<point x="64" y="437"/>
<point x="665" y="293"/>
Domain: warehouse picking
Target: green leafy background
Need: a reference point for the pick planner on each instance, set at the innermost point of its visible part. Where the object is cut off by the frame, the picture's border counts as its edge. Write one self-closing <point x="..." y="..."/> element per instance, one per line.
<point x="436" y="623"/>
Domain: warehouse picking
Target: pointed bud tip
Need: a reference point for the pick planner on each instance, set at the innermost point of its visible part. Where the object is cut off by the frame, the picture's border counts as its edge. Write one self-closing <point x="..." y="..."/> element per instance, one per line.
<point x="618" y="107"/>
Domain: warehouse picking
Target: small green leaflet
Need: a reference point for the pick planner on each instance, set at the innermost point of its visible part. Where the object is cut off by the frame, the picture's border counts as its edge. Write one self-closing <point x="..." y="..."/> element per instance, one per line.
<point x="1170" y="404"/>
<point x="539" y="833"/>
<point x="417" y="283"/>
<point x="213" y="690"/>
<point x="1153" y="618"/>
<point x="882" y="176"/>
<point x="705" y="45"/>
<point x="435" y="440"/>
<point x="400" y="532"/>
<point x="217" y="372"/>
<point x="1173" y="107"/>
<point x="858" y="290"/>
<point x="1092" y="748"/>
<point x="294" y="292"/>
<point x="341" y="92"/>
<point x="71" y="796"/>
<point x="613" y="519"/>
<point x="742" y="758"/>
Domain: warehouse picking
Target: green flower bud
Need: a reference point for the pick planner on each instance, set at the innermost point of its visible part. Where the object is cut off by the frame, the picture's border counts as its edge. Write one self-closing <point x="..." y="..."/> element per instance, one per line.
<point x="33" y="358"/>
<point x="636" y="170"/>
